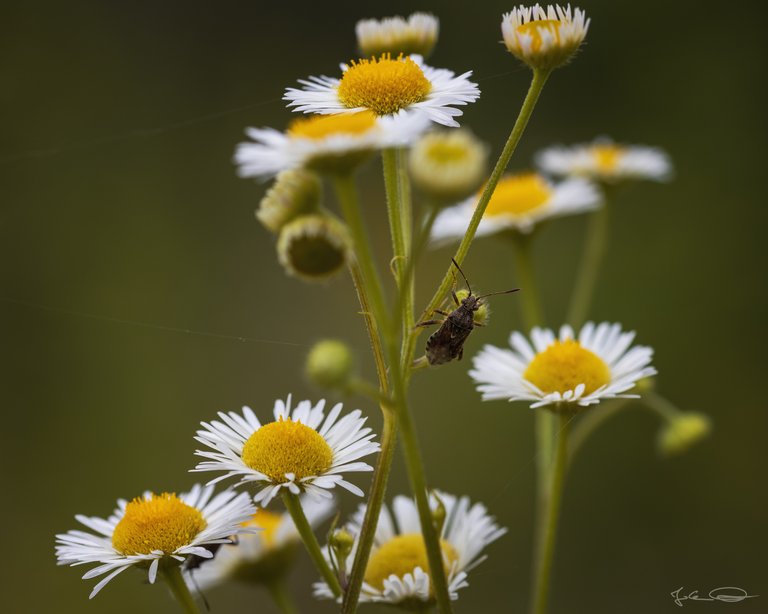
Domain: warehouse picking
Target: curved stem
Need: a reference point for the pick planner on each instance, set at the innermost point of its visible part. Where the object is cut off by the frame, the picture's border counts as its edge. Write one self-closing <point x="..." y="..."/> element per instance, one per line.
<point x="591" y="259"/>
<point x="293" y="505"/>
<point x="546" y="545"/>
<point x="369" y="276"/>
<point x="372" y="510"/>
<point x="172" y="575"/>
<point x="281" y="597"/>
<point x="665" y="408"/>
<point x="370" y="324"/>
<point x="537" y="84"/>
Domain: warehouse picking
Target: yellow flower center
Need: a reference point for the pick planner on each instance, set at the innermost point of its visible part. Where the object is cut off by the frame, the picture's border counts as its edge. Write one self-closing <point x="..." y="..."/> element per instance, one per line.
<point x="162" y="522"/>
<point x="534" y="29"/>
<point x="383" y="85"/>
<point x="321" y="126"/>
<point x="286" y="446"/>
<point x="401" y="555"/>
<point x="268" y="522"/>
<point x="564" y="365"/>
<point x="518" y="194"/>
<point x="607" y="157"/>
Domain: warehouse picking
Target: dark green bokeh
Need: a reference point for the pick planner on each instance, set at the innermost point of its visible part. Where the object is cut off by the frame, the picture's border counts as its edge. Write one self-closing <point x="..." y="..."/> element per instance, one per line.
<point x="123" y="225"/>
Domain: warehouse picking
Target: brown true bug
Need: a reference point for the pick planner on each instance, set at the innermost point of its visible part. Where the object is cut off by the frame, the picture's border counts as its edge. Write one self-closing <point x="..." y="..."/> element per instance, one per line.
<point x="447" y="342"/>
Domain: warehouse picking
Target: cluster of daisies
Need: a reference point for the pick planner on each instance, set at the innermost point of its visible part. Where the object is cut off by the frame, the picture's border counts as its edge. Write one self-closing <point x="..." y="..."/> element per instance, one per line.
<point x="387" y="98"/>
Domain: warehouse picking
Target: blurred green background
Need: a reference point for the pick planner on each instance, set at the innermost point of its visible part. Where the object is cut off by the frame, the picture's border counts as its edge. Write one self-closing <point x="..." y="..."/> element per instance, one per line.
<point x="123" y="225"/>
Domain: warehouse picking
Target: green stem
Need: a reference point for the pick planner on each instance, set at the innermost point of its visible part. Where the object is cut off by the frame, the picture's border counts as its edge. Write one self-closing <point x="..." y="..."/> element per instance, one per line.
<point x="666" y="409"/>
<point x="372" y="510"/>
<point x="546" y="544"/>
<point x="537" y="84"/>
<point x="591" y="259"/>
<point x="293" y="505"/>
<point x="369" y="276"/>
<point x="417" y="478"/>
<point x="394" y="209"/>
<point x="370" y="324"/>
<point x="281" y="597"/>
<point x="179" y="588"/>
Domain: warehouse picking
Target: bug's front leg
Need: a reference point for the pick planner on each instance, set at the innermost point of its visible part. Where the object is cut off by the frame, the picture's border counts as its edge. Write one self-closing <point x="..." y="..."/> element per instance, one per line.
<point x="427" y="323"/>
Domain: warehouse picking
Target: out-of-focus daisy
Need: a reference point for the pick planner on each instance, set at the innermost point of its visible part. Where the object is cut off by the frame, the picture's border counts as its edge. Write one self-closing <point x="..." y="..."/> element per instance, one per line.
<point x="417" y="34"/>
<point x="544" y="38"/>
<point x="303" y="450"/>
<point x="261" y="557"/>
<point x="155" y="530"/>
<point x="398" y="572"/>
<point x="563" y="369"/>
<point x="387" y="85"/>
<point x="519" y="202"/>
<point x="327" y="143"/>
<point x="606" y="161"/>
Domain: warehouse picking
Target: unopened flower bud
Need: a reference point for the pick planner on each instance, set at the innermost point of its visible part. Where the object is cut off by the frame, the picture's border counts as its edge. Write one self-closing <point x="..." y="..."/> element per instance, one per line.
<point x="682" y="432"/>
<point x="341" y="543"/>
<point x="395" y="35"/>
<point x="448" y="165"/>
<point x="313" y="247"/>
<point x="330" y="364"/>
<point x="544" y="38"/>
<point x="481" y="315"/>
<point x="294" y="193"/>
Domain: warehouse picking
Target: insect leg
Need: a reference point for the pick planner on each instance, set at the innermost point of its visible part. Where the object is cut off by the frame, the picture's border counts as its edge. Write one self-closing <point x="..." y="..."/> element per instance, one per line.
<point x="428" y="323"/>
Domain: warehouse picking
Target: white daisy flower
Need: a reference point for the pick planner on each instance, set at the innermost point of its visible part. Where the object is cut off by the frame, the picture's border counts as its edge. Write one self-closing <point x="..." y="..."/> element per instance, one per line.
<point x="302" y="450"/>
<point x="518" y="203"/>
<point x="544" y="39"/>
<point x="397" y="571"/>
<point x="328" y="143"/>
<point x="155" y="528"/>
<point x="259" y="557"/>
<point x="603" y="160"/>
<point x="387" y="86"/>
<point x="550" y="369"/>
<point x="417" y="34"/>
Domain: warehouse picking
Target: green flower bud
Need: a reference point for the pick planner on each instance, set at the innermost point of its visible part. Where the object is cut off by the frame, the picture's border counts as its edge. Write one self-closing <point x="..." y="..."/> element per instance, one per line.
<point x="313" y="247"/>
<point x="294" y="193"/>
<point x="330" y="364"/>
<point x="481" y="315"/>
<point x="682" y="432"/>
<point x="341" y="543"/>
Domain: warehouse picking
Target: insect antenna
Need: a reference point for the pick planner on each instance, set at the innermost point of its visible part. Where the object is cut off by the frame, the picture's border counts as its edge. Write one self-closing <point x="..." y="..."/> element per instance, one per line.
<point x="466" y="281"/>
<point x="502" y="292"/>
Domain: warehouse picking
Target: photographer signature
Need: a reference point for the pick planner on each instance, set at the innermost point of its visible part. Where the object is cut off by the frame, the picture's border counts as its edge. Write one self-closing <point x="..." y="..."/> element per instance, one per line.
<point x="727" y="594"/>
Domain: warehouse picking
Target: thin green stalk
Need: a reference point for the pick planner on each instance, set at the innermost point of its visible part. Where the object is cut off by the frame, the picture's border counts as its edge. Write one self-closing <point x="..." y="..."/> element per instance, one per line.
<point x="369" y="275"/>
<point x="293" y="505"/>
<point x="281" y="597"/>
<point x="537" y="84"/>
<point x="370" y="324"/>
<point x="591" y="259"/>
<point x="546" y="544"/>
<point x="666" y="409"/>
<point x="406" y="218"/>
<point x="372" y="510"/>
<point x="179" y="588"/>
<point x="394" y="209"/>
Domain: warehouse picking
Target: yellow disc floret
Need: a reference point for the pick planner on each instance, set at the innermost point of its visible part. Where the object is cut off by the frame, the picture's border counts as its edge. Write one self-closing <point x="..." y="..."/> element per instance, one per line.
<point x="566" y="364"/>
<point x="161" y="522"/>
<point x="606" y="157"/>
<point x="268" y="522"/>
<point x="287" y="446"/>
<point x="518" y="194"/>
<point x="383" y="85"/>
<point x="401" y="555"/>
<point x="322" y="126"/>
<point x="535" y="29"/>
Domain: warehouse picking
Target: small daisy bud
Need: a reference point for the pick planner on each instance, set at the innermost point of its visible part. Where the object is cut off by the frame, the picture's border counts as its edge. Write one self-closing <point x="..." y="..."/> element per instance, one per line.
<point x="294" y="193"/>
<point x="482" y="314"/>
<point x="330" y="364"/>
<point x="682" y="432"/>
<point x="313" y="247"/>
<point x="646" y="384"/>
<point x="544" y="38"/>
<point x="449" y="165"/>
<point x="396" y="35"/>
<point x="341" y="543"/>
